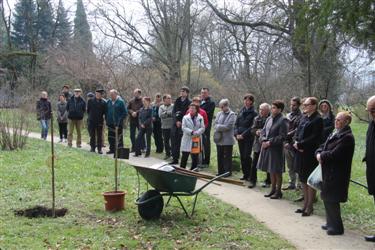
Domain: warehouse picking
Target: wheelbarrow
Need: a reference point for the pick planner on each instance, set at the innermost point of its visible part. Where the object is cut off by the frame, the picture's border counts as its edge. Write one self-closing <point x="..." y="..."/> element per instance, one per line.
<point x="169" y="184"/>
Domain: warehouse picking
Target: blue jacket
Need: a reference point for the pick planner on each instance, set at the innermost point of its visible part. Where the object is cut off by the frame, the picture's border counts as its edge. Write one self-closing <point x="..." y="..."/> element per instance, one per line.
<point x="116" y="112"/>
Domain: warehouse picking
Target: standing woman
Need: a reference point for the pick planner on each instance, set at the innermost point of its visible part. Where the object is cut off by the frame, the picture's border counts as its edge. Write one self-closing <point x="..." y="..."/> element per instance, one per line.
<point x="335" y="156"/>
<point x="145" y="127"/>
<point x="308" y="138"/>
<point x="224" y="137"/>
<point x="192" y="126"/>
<point x="271" y="157"/>
<point x="44" y="113"/>
<point x="325" y="109"/>
<point x="62" y="118"/>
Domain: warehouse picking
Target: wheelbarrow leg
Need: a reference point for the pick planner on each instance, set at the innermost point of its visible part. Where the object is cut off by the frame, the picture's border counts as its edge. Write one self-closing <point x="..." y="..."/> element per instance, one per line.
<point x="169" y="199"/>
<point x="195" y="202"/>
<point x="183" y="207"/>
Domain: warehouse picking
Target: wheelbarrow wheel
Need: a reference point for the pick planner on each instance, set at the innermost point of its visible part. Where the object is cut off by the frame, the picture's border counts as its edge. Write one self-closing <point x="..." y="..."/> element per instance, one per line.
<point x="150" y="205"/>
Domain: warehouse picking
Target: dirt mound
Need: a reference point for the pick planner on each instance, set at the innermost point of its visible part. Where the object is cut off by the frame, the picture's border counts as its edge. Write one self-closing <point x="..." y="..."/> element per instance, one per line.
<point x="39" y="211"/>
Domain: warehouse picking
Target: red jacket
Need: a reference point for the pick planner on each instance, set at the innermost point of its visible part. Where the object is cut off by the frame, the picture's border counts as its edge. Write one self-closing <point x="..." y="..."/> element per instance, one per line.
<point x="203" y="113"/>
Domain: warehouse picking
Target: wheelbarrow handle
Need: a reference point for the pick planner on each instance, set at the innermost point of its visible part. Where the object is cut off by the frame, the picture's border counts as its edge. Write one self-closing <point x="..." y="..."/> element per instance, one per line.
<point x="209" y="182"/>
<point x="137" y="202"/>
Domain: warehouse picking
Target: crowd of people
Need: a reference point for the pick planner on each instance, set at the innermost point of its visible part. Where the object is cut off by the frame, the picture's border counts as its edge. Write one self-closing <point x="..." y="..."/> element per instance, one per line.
<point x="308" y="136"/>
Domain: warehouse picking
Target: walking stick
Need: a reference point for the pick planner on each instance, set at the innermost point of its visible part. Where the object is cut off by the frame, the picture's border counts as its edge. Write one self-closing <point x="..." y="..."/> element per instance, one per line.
<point x="359" y="184"/>
<point x="53" y="168"/>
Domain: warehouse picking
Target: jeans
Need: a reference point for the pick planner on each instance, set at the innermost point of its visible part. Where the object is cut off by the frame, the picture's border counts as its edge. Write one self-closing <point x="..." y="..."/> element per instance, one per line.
<point x="44" y="124"/>
<point x="140" y="141"/>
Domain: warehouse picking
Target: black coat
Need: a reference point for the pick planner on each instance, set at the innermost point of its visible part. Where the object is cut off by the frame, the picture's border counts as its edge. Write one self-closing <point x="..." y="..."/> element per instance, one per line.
<point x="179" y="109"/>
<point x="308" y="137"/>
<point x="96" y="109"/>
<point x="209" y="106"/>
<point x="370" y="158"/>
<point x="43" y="109"/>
<point x="76" y="108"/>
<point x="336" y="155"/>
<point x="244" y="122"/>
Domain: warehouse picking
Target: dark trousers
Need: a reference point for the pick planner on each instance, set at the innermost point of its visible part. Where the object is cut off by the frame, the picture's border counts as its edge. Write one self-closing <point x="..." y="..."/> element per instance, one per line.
<point x="224" y="158"/>
<point x="253" y="171"/>
<point x="158" y="136"/>
<point x="333" y="216"/>
<point x="194" y="160"/>
<point x="112" y="137"/>
<point x="207" y="146"/>
<point x="245" y="147"/>
<point x="134" y="126"/>
<point x="167" y="141"/>
<point x="140" y="141"/>
<point x="63" y="130"/>
<point x="176" y="136"/>
<point x="96" y="132"/>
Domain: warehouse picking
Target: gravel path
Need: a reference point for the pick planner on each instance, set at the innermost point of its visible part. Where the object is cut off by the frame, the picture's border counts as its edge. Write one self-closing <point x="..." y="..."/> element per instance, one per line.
<point x="277" y="215"/>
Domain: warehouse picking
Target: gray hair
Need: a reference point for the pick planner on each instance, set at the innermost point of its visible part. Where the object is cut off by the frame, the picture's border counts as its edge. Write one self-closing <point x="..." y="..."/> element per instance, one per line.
<point x="224" y="102"/>
<point x="44" y="94"/>
<point x="113" y="91"/>
<point x="265" y="105"/>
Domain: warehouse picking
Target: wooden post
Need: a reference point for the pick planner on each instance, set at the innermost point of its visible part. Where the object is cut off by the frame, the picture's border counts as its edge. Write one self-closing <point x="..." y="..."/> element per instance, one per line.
<point x="53" y="168"/>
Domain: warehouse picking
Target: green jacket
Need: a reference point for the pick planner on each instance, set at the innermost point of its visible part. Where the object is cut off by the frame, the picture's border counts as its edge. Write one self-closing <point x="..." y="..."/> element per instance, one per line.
<point x="116" y="112"/>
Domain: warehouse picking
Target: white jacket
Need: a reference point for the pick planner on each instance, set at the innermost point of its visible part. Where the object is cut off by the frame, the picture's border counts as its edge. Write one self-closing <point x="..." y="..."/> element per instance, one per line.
<point x="188" y="126"/>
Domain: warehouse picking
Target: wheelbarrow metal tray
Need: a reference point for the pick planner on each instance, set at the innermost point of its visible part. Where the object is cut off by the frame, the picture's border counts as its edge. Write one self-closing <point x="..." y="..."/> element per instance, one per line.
<point x="169" y="182"/>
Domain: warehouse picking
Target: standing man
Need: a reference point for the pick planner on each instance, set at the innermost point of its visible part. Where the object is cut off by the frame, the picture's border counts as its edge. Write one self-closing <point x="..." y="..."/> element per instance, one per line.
<point x="76" y="107"/>
<point x="370" y="154"/>
<point x="208" y="105"/>
<point x="294" y="118"/>
<point x="135" y="104"/>
<point x="259" y="121"/>
<point x="116" y="113"/>
<point x="96" y="109"/>
<point x="180" y="108"/>
<point x="156" y="124"/>
<point x="242" y="132"/>
<point x="66" y="92"/>
<point x="165" y="114"/>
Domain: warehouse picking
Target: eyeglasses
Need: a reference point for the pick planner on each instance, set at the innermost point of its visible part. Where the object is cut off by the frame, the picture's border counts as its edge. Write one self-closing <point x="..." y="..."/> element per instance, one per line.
<point x="372" y="111"/>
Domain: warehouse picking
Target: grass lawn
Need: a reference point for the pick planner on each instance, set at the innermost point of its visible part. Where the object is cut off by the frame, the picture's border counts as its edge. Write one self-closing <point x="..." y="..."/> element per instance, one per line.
<point x="357" y="212"/>
<point x="81" y="179"/>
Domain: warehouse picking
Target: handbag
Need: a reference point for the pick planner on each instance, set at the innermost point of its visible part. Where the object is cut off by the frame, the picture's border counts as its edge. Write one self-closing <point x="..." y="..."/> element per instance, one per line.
<point x="219" y="135"/>
<point x="315" y="179"/>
